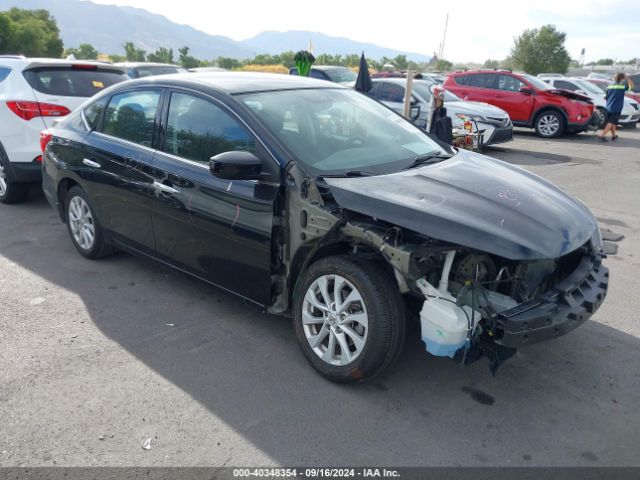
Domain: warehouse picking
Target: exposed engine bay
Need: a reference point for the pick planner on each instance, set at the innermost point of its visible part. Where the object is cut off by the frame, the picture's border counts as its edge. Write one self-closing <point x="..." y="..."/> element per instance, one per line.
<point x="470" y="302"/>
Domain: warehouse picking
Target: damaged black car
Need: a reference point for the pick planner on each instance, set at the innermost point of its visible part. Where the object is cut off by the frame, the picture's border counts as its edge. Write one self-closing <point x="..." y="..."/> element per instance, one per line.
<point x="312" y="200"/>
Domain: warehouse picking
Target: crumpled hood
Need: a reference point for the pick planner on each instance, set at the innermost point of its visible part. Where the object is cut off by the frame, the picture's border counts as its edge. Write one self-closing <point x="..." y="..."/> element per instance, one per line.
<point x="474" y="201"/>
<point x="570" y="94"/>
<point x="476" y="108"/>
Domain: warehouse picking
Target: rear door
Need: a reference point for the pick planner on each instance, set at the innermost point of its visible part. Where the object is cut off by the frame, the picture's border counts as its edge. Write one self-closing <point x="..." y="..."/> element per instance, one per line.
<point x="70" y="85"/>
<point x="116" y="162"/>
<point x="217" y="229"/>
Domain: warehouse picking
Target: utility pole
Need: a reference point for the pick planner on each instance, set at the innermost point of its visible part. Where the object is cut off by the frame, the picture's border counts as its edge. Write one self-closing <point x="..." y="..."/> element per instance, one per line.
<point x="444" y="36"/>
<point x="408" y="92"/>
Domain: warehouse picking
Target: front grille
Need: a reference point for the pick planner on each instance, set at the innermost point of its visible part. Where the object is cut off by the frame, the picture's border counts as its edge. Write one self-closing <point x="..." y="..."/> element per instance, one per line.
<point x="501" y="136"/>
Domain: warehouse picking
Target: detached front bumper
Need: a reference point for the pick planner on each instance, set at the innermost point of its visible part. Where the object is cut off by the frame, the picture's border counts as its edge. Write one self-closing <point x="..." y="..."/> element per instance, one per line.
<point x="563" y="308"/>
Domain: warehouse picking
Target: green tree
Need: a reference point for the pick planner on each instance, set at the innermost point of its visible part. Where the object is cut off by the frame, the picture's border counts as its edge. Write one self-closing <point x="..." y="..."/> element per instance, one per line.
<point x="286" y="58"/>
<point x="117" y="58"/>
<point x="186" y="60"/>
<point x="329" y="59"/>
<point x="400" y="61"/>
<point x="605" y="61"/>
<point x="491" y="63"/>
<point x="30" y="32"/>
<point x="541" y="51"/>
<point x="85" y="51"/>
<point x="351" y="60"/>
<point x="443" y="65"/>
<point x="162" y="55"/>
<point x="228" y="63"/>
<point x="133" y="54"/>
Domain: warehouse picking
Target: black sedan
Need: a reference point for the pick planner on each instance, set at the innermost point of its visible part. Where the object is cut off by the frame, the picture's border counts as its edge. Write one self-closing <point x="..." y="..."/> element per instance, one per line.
<point x="309" y="198"/>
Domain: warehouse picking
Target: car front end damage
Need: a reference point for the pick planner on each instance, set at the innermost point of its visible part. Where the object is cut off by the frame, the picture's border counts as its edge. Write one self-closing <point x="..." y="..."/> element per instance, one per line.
<point x="477" y="290"/>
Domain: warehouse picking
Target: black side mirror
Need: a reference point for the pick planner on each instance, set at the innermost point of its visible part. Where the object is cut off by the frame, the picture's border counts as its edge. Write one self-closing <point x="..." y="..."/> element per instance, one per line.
<point x="415" y="112"/>
<point x="236" y="165"/>
<point x="526" y="90"/>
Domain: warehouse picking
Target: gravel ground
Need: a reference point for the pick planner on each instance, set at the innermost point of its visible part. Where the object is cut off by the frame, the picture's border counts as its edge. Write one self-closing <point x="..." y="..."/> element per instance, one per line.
<point x="96" y="357"/>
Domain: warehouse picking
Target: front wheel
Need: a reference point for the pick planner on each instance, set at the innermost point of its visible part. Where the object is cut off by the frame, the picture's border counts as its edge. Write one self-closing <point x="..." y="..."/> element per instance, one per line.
<point x="84" y="229"/>
<point x="549" y="124"/>
<point x="600" y="117"/>
<point x="349" y="318"/>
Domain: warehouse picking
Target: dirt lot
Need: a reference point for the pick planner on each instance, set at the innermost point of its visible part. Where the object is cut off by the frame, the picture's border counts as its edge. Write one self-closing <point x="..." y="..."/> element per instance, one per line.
<point x="96" y="357"/>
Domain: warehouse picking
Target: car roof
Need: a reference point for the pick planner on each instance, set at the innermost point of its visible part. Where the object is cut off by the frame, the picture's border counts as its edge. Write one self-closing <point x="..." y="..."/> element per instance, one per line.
<point x="400" y="80"/>
<point x="145" y="64"/>
<point x="330" y="67"/>
<point x="240" y="82"/>
<point x="18" y="60"/>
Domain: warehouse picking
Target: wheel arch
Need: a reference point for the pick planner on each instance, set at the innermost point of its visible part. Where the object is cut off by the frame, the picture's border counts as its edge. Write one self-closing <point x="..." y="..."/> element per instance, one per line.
<point x="305" y="257"/>
<point x="64" y="186"/>
<point x="549" y="108"/>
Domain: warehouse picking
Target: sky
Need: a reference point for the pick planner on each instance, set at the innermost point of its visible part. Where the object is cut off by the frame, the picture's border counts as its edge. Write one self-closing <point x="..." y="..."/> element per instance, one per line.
<point x="476" y="30"/>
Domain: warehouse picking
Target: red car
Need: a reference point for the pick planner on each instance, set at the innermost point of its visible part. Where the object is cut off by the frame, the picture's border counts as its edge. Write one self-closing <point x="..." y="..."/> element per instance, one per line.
<point x="529" y="101"/>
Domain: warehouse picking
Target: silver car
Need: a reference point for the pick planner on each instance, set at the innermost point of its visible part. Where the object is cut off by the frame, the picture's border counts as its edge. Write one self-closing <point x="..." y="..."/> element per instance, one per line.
<point x="494" y="121"/>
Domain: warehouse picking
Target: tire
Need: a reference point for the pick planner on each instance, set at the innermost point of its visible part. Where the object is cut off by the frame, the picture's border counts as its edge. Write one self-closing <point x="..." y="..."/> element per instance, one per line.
<point x="11" y="192"/>
<point x="83" y="226"/>
<point x="549" y="124"/>
<point x="604" y="115"/>
<point x="371" y="346"/>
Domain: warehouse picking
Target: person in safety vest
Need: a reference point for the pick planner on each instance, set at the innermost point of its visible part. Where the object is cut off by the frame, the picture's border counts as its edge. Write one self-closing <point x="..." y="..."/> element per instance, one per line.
<point x="615" y="102"/>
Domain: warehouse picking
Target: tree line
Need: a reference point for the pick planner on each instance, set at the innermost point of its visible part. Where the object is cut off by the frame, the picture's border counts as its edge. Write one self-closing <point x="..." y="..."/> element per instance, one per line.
<point x="35" y="33"/>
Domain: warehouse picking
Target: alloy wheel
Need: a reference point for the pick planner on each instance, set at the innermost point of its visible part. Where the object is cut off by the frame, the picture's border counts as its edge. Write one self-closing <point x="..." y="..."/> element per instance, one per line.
<point x="549" y="125"/>
<point x="599" y="118"/>
<point x="335" y="320"/>
<point x="3" y="182"/>
<point x="81" y="222"/>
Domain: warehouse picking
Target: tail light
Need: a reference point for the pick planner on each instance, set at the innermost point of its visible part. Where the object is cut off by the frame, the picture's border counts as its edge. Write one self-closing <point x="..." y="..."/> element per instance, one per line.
<point x="28" y="110"/>
<point x="45" y="138"/>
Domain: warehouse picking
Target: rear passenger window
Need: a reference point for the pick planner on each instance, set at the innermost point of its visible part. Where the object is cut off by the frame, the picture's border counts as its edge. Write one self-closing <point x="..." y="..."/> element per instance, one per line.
<point x="483" y="80"/>
<point x="4" y="73"/>
<point x="131" y="116"/>
<point x="462" y="79"/>
<point x="70" y="82"/>
<point x="93" y="112"/>
<point x="198" y="129"/>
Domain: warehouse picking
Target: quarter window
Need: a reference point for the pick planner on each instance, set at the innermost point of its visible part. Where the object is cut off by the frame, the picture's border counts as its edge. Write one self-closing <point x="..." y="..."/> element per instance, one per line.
<point x="4" y="73"/>
<point x="94" y="111"/>
<point x="198" y="130"/>
<point x="131" y="116"/>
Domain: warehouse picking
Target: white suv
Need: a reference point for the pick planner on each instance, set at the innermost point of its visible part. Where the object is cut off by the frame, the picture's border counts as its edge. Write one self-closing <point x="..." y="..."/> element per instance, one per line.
<point x="33" y="93"/>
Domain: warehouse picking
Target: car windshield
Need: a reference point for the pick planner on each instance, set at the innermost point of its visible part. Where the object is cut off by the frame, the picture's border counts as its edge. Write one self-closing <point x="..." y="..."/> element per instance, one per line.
<point x="341" y="75"/>
<point x="341" y="132"/>
<point x="588" y="87"/>
<point x="599" y="86"/>
<point x="536" y="82"/>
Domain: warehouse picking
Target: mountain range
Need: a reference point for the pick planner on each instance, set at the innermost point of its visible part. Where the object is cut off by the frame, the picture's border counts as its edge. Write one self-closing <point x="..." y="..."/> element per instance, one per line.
<point x="108" y="27"/>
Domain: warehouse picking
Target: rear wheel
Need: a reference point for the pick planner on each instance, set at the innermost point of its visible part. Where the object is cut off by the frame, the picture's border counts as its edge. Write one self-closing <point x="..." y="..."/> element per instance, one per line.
<point x="549" y="124"/>
<point x="84" y="229"/>
<point x="11" y="192"/>
<point x="349" y="318"/>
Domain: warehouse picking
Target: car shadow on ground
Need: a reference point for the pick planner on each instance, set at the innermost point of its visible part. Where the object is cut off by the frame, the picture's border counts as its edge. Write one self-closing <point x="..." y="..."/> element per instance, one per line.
<point x="564" y="402"/>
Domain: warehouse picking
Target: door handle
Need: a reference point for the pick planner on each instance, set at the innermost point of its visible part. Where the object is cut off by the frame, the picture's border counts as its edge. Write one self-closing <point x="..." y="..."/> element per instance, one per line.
<point x="91" y="163"/>
<point x="165" y="188"/>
